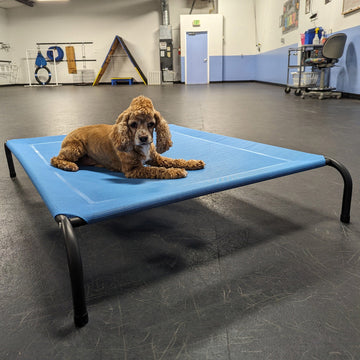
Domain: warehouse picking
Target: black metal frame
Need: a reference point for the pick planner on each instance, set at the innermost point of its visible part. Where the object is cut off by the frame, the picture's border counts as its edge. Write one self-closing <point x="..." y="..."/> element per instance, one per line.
<point x="348" y="185"/>
<point x="67" y="225"/>
<point x="75" y="267"/>
<point x="26" y="2"/>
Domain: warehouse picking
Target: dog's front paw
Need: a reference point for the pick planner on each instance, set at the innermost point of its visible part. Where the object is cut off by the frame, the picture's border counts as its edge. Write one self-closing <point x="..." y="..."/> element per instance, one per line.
<point x="64" y="164"/>
<point x="71" y="167"/>
<point x="177" y="173"/>
<point x="195" y="164"/>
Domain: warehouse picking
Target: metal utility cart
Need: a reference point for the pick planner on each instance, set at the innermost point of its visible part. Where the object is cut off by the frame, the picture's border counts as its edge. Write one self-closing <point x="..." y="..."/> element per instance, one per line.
<point x="300" y="79"/>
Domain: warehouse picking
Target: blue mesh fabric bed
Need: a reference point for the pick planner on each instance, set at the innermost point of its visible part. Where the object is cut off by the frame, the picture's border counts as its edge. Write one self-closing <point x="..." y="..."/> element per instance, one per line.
<point x="94" y="194"/>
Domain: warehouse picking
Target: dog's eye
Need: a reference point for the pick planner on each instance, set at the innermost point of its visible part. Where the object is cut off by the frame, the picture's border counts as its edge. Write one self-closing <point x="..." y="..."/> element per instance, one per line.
<point x="133" y="125"/>
<point x="151" y="124"/>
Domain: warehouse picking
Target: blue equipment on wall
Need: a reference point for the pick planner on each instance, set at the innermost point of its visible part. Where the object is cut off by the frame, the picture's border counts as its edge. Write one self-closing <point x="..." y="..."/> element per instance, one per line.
<point x="40" y="60"/>
<point x="50" y="53"/>
<point x="41" y="63"/>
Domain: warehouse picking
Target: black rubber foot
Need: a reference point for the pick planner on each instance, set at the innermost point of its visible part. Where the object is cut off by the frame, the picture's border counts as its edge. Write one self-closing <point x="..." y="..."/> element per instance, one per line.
<point x="13" y="175"/>
<point x="81" y="320"/>
<point x="345" y="219"/>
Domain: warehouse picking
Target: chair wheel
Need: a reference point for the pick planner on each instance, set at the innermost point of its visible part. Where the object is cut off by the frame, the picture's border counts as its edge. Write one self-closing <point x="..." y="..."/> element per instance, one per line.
<point x="297" y="92"/>
<point x="287" y="90"/>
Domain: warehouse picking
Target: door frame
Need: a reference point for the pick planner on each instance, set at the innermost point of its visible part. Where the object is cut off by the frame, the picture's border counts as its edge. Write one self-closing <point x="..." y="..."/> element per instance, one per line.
<point x="208" y="60"/>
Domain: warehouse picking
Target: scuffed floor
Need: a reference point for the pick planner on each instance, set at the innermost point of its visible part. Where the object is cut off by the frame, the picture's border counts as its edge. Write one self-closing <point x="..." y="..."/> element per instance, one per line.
<point x="265" y="271"/>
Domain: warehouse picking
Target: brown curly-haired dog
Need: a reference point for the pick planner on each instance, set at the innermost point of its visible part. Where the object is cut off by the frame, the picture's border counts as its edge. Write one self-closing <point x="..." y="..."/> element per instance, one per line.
<point x="126" y="146"/>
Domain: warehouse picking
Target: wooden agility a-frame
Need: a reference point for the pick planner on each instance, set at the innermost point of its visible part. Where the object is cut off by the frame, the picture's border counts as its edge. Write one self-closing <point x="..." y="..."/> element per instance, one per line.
<point x="118" y="41"/>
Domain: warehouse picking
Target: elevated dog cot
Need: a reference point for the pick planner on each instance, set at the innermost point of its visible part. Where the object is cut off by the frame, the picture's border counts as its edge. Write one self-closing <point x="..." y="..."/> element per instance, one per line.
<point x="94" y="194"/>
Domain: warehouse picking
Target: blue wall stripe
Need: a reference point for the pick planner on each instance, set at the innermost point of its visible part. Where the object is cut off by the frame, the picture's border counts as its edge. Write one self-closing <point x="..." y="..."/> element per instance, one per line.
<point x="345" y="76"/>
<point x="216" y="68"/>
<point x="271" y="66"/>
<point x="237" y="68"/>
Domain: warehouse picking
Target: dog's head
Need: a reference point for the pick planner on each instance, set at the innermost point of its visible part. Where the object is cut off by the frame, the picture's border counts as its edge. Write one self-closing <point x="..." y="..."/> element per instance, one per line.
<point x="135" y="127"/>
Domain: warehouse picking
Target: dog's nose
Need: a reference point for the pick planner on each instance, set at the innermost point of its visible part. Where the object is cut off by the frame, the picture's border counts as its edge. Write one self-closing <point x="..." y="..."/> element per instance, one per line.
<point x="143" y="139"/>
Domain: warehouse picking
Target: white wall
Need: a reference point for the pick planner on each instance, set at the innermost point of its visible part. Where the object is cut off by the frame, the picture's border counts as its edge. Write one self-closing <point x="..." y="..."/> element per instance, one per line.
<point x="4" y="54"/>
<point x="3" y="26"/>
<point x="269" y="34"/>
<point x="239" y="26"/>
<point x="329" y="16"/>
<point x="136" y="21"/>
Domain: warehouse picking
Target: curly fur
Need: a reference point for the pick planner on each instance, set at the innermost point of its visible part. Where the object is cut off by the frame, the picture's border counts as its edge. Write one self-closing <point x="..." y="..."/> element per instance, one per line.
<point x="127" y="146"/>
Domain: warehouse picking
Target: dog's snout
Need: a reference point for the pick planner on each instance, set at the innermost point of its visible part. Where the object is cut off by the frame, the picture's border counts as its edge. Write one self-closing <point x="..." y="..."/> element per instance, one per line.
<point x="143" y="139"/>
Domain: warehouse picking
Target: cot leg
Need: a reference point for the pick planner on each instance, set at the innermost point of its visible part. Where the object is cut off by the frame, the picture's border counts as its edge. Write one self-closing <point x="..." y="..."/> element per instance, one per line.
<point x="346" y="200"/>
<point x="10" y="161"/>
<point x="75" y="270"/>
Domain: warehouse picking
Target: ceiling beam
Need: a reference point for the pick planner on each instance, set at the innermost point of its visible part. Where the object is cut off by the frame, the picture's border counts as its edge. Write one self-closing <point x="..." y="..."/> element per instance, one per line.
<point x="26" y="2"/>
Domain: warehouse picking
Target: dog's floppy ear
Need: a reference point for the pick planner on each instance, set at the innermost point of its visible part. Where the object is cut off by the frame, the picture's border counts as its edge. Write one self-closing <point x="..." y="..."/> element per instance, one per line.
<point x="163" y="135"/>
<point x="120" y="134"/>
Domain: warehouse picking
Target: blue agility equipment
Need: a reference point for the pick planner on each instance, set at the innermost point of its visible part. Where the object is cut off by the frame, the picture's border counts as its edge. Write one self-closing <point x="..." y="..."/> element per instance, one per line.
<point x="119" y="41"/>
<point x="93" y="194"/>
<point x="58" y="50"/>
<point x="41" y="67"/>
<point x="42" y="70"/>
<point x="40" y="61"/>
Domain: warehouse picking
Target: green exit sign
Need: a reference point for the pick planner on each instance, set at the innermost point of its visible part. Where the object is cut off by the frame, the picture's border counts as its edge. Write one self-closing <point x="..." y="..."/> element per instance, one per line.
<point x="196" y="23"/>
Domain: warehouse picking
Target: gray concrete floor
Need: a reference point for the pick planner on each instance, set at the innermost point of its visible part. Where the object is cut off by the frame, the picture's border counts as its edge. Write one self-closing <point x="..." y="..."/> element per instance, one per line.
<point x="265" y="271"/>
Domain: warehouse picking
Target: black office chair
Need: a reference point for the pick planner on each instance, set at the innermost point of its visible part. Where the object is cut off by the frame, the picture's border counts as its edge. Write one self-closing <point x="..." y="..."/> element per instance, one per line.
<point x="331" y="53"/>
